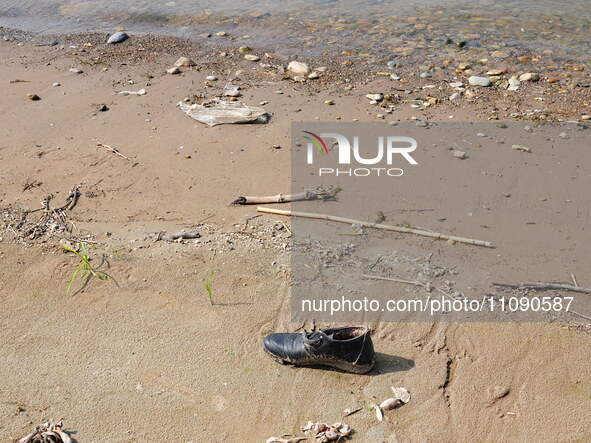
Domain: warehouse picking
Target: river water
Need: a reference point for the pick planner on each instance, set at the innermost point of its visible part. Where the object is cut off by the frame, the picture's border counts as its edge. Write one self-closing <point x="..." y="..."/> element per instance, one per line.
<point x="559" y="30"/>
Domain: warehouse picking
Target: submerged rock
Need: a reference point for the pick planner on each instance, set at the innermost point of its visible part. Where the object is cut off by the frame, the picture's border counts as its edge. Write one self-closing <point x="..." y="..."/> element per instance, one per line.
<point x="529" y="77"/>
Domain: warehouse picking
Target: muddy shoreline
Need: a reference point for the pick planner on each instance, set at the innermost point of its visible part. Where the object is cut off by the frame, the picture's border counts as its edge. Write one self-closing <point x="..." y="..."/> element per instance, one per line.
<point x="148" y="355"/>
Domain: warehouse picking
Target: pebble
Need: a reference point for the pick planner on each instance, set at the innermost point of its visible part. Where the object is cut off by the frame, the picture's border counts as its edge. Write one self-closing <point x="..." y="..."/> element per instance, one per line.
<point x="496" y="72"/>
<point x="33" y="97"/>
<point x="394" y="77"/>
<point x="279" y="92"/>
<point x="298" y="67"/>
<point x="455" y="95"/>
<point x="329" y="102"/>
<point x="76" y="70"/>
<point x="211" y="78"/>
<point x="252" y="57"/>
<point x="456" y="84"/>
<point x="222" y="33"/>
<point x="513" y="88"/>
<point x="173" y="71"/>
<point x="529" y="77"/>
<point x="232" y="93"/>
<point x="314" y="76"/>
<point x="563" y="135"/>
<point x="244" y="49"/>
<point x="118" y="37"/>
<point x="425" y="75"/>
<point x="184" y="62"/>
<point x="460" y="154"/>
<point x="479" y="81"/>
<point x="500" y="54"/>
<point x="514" y="82"/>
<point x="102" y="108"/>
<point x="57" y="84"/>
<point x="376" y="97"/>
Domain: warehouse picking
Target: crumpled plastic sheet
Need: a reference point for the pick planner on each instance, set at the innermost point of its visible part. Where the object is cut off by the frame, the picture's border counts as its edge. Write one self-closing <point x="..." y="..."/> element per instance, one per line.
<point x="219" y="112"/>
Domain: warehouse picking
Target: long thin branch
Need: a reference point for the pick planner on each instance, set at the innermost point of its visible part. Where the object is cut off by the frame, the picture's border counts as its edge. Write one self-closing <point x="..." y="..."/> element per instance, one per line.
<point x="541" y="286"/>
<point x="349" y="221"/>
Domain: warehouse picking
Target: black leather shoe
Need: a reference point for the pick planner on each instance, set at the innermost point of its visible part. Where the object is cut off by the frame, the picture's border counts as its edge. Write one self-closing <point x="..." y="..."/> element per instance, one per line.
<point x="349" y="348"/>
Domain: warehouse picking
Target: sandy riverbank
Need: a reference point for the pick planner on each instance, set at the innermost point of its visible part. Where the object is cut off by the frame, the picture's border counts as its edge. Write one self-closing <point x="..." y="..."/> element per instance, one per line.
<point x="149" y="359"/>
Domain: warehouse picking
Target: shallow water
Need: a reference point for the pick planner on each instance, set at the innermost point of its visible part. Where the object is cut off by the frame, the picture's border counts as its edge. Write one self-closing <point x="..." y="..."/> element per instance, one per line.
<point x="331" y="27"/>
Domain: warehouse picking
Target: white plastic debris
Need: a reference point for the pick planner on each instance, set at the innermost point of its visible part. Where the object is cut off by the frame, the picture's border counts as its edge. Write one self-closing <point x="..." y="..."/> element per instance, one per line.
<point x="401" y="393"/>
<point x="140" y="92"/>
<point x="219" y="112"/>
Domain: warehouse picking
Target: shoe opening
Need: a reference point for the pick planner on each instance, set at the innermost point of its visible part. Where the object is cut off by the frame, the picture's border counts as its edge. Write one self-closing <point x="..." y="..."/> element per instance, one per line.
<point x="346" y="333"/>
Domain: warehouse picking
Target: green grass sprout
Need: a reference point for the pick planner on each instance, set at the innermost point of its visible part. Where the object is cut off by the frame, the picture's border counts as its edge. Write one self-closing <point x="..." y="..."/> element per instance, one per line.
<point x="85" y="268"/>
<point x="208" y="284"/>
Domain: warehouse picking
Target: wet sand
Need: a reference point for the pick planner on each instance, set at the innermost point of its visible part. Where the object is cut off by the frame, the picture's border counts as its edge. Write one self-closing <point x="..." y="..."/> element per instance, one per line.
<point x="148" y="359"/>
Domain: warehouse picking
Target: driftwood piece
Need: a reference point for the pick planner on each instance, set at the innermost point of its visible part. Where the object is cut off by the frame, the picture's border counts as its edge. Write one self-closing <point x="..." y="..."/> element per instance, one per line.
<point x="404" y="230"/>
<point x="541" y="286"/>
<point x="320" y="193"/>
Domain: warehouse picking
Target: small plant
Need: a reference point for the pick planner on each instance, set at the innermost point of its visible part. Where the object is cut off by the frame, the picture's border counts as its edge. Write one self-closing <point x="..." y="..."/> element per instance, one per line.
<point x="85" y="267"/>
<point x="208" y="284"/>
<point x="117" y="252"/>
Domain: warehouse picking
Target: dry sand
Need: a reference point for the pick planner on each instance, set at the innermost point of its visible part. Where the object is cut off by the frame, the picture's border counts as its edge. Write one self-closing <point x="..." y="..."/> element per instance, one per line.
<point x="150" y="360"/>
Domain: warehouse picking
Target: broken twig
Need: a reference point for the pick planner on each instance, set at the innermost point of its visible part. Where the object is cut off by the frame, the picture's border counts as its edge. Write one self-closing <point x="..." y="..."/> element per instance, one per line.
<point x="420" y="232"/>
<point x="115" y="151"/>
<point x="320" y="193"/>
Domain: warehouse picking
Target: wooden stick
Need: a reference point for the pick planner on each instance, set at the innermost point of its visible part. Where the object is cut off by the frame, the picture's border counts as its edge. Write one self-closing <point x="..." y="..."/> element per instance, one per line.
<point x="376" y="226"/>
<point x="541" y="286"/>
<point x="320" y="193"/>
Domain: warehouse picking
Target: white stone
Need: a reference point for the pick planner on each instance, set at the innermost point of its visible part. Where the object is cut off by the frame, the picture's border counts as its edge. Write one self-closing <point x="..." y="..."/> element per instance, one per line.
<point x="298" y="67"/>
<point x="479" y="81"/>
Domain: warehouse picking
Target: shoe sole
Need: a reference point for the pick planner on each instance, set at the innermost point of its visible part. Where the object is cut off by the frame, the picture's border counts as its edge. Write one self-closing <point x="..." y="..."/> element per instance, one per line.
<point x="344" y="366"/>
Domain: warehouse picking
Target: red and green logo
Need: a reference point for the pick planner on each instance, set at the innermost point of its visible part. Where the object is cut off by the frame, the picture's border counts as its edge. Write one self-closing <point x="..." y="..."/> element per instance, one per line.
<point x="317" y="140"/>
